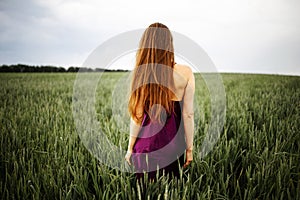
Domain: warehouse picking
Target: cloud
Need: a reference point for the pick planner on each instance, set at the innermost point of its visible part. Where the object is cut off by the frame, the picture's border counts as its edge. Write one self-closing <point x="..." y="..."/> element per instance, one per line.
<point x="238" y="35"/>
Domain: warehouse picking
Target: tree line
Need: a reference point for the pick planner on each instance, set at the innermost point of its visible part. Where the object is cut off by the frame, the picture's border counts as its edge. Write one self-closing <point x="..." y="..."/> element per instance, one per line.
<point x="49" y="68"/>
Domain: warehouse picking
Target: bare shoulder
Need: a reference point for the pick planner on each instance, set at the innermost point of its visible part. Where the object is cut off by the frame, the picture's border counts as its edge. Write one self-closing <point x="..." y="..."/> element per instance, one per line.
<point x="183" y="70"/>
<point x="183" y="77"/>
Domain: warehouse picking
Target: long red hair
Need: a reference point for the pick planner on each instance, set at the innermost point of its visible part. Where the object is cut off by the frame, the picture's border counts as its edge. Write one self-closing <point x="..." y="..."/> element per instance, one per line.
<point x="152" y="82"/>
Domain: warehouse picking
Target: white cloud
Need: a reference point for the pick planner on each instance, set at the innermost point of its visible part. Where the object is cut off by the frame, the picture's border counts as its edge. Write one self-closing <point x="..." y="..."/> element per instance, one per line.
<point x="239" y="35"/>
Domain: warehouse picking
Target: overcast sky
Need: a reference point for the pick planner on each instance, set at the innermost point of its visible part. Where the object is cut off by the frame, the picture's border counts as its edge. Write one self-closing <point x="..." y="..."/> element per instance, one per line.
<point x="258" y="36"/>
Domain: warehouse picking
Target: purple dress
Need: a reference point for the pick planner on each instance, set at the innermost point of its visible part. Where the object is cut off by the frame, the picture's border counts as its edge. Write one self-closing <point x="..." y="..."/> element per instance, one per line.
<point x="160" y="147"/>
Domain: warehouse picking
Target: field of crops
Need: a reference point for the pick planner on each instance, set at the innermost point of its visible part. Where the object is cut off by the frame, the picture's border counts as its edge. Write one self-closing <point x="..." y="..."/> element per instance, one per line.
<point x="42" y="156"/>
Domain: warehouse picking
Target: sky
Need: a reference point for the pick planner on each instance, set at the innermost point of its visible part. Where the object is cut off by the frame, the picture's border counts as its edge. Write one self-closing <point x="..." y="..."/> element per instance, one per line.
<point x="249" y="36"/>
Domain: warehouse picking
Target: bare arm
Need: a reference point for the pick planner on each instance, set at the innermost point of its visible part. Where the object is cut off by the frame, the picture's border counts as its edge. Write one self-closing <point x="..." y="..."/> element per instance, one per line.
<point x="134" y="131"/>
<point x="188" y="116"/>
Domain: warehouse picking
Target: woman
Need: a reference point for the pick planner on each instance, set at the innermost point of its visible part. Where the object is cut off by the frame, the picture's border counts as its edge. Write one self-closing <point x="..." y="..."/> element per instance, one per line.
<point x="161" y="107"/>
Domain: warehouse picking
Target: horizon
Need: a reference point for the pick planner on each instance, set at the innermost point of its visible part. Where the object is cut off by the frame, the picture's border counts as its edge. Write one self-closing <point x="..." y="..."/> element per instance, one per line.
<point x="129" y="70"/>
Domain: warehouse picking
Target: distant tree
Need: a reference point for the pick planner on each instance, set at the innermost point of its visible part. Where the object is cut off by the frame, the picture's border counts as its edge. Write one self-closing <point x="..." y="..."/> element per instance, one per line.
<point x="61" y="69"/>
<point x="99" y="70"/>
<point x="49" y="68"/>
<point x="4" y="68"/>
<point x="73" y="69"/>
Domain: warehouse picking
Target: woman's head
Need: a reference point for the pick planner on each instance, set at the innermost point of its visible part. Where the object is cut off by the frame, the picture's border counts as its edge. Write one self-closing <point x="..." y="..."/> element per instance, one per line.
<point x="156" y="46"/>
<point x="152" y="81"/>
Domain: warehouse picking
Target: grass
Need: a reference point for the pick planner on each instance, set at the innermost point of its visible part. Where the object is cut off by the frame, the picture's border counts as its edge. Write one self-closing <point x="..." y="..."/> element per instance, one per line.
<point x="42" y="156"/>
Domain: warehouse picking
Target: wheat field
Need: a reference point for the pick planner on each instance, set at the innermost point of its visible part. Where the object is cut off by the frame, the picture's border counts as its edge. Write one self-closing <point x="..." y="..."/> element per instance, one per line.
<point x="256" y="157"/>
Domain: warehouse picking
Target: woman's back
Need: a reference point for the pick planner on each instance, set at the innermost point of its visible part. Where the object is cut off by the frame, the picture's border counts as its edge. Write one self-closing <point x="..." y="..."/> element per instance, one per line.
<point x="161" y="144"/>
<point x="181" y="74"/>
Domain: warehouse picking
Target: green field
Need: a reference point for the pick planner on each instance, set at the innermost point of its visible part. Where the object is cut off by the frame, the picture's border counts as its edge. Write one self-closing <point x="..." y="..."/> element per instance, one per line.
<point x="42" y="156"/>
